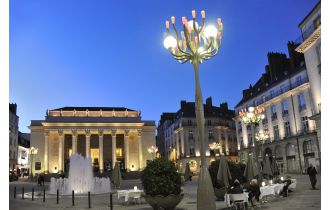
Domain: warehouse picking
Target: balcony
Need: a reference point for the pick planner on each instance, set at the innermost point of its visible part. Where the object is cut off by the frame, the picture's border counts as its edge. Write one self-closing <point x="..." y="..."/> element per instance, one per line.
<point x="281" y="91"/>
<point x="285" y="113"/>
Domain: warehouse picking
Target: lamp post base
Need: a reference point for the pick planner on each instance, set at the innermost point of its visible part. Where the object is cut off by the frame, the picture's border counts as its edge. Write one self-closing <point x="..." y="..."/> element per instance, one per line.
<point x="205" y="192"/>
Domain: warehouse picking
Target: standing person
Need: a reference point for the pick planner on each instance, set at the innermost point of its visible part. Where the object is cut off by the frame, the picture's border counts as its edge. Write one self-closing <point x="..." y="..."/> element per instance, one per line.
<point x="311" y="170"/>
<point x="187" y="173"/>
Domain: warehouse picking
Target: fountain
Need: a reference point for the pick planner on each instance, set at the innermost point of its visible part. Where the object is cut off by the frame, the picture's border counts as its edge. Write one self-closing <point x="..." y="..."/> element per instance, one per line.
<point x="80" y="179"/>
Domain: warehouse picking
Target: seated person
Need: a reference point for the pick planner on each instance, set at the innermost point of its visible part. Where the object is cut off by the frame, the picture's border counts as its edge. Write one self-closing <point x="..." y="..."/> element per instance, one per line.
<point x="254" y="190"/>
<point x="287" y="181"/>
<point x="235" y="188"/>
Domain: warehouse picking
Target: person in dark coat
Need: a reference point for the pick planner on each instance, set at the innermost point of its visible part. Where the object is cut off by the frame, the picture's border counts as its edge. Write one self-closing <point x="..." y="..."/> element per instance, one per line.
<point x="235" y="188"/>
<point x="311" y="171"/>
<point x="254" y="190"/>
<point x="287" y="183"/>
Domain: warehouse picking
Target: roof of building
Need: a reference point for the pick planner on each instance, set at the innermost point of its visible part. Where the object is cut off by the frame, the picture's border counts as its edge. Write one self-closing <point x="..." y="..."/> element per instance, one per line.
<point x="279" y="68"/>
<point x="89" y="108"/>
<point x="24" y="139"/>
<point x="311" y="12"/>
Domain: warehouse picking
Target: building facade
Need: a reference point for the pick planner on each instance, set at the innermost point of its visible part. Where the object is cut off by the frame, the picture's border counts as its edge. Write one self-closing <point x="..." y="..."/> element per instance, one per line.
<point x="178" y="140"/>
<point x="284" y="91"/>
<point x="13" y="136"/>
<point x="106" y="134"/>
<point x="23" y="163"/>
<point x="310" y="28"/>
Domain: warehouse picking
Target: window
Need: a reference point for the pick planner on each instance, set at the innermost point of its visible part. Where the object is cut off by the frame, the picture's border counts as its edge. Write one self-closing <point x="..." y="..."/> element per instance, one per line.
<point x="9" y="153"/>
<point x="298" y="80"/>
<point x="14" y="156"/>
<point x="274" y="114"/>
<point x="305" y="123"/>
<point x="272" y="94"/>
<point x="276" y="132"/>
<point x="222" y="136"/>
<point x="190" y="135"/>
<point x="307" y="147"/>
<point x="285" y="108"/>
<point x="210" y="134"/>
<point x="209" y="122"/>
<point x="301" y="101"/>
<point x="192" y="151"/>
<point x="10" y="141"/>
<point x="189" y="122"/>
<point x="287" y="129"/>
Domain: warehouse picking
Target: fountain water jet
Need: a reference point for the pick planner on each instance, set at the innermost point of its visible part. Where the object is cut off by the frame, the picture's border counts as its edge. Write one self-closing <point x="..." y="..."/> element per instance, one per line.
<point x="80" y="179"/>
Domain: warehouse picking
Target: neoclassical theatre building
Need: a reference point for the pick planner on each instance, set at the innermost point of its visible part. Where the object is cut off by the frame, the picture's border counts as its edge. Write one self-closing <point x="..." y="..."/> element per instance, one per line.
<point x="106" y="134"/>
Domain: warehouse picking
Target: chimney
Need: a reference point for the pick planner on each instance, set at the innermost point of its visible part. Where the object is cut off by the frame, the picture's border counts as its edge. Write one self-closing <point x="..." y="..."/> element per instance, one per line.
<point x="182" y="103"/>
<point x="209" y="101"/>
<point x="224" y="106"/>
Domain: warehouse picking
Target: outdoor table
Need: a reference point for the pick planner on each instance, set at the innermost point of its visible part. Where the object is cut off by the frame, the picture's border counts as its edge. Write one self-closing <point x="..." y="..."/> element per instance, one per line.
<point x="278" y="188"/>
<point x="126" y="194"/>
<point x="227" y="198"/>
<point x="267" y="190"/>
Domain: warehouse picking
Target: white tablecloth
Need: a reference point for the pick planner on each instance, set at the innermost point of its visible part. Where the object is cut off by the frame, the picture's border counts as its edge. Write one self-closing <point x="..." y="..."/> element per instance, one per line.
<point x="227" y="198"/>
<point x="127" y="193"/>
<point x="267" y="190"/>
<point x="278" y="188"/>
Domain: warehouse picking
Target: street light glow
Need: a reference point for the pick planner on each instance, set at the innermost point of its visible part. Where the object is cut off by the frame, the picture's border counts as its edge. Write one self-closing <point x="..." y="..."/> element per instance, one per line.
<point x="170" y="42"/>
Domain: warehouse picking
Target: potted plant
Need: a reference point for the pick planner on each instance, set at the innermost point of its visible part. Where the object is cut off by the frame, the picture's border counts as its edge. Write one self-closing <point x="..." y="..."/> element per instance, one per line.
<point x="236" y="171"/>
<point x="162" y="184"/>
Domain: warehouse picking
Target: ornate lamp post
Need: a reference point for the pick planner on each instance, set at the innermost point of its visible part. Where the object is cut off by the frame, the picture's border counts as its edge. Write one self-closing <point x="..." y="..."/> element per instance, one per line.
<point x="252" y="117"/>
<point x="261" y="136"/>
<point x="33" y="151"/>
<point x="153" y="150"/>
<point x="197" y="43"/>
<point x="215" y="146"/>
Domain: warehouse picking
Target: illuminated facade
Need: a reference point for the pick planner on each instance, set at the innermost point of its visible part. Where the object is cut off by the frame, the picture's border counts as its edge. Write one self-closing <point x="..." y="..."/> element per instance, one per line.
<point x="177" y="136"/>
<point x="13" y="136"/>
<point x="311" y="47"/>
<point x="284" y="92"/>
<point x="106" y="134"/>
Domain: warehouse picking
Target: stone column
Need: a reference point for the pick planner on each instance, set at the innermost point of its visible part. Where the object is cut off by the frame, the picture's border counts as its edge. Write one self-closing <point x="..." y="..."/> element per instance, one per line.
<point x="114" y="145"/>
<point x="101" y="151"/>
<point x="88" y="143"/>
<point x="177" y="146"/>
<point x="126" y="147"/>
<point x="46" y="151"/>
<point x="60" y="151"/>
<point x="140" y="149"/>
<point x="183" y="149"/>
<point x="226" y="142"/>
<point x="74" y="141"/>
<point x="220" y="141"/>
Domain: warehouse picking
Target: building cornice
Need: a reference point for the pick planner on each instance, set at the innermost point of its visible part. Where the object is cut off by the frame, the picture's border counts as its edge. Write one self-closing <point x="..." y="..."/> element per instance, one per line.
<point x="303" y="47"/>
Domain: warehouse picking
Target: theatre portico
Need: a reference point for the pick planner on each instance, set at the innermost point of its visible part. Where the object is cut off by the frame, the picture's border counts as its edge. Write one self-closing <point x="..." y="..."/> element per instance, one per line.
<point x="106" y="134"/>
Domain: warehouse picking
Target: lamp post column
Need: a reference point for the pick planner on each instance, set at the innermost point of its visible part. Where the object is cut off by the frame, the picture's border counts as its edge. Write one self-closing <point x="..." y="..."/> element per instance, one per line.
<point x="256" y="153"/>
<point x="60" y="150"/>
<point x="205" y="191"/>
<point x="46" y="151"/>
<point x="114" y="145"/>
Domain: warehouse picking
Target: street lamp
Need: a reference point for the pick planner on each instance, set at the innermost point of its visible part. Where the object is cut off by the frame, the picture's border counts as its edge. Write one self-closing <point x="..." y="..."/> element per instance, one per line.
<point x="153" y="150"/>
<point x="215" y="146"/>
<point x="197" y="43"/>
<point x="261" y="136"/>
<point x="33" y="151"/>
<point x="252" y="117"/>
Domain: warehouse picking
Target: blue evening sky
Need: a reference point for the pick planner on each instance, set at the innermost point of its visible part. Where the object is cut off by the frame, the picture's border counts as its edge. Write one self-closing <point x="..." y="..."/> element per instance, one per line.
<point x="110" y="53"/>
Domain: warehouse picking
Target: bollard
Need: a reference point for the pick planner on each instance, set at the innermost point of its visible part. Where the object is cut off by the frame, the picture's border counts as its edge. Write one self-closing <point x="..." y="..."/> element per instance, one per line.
<point x="15" y="192"/>
<point x="23" y="193"/>
<point x="44" y="199"/>
<point x="89" y="200"/>
<point x="111" y="206"/>
<point x="72" y="197"/>
<point x="57" y="196"/>
<point x="32" y="193"/>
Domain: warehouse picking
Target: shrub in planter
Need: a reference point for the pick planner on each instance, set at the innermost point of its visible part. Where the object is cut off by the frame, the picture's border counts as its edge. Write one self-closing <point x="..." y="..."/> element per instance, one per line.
<point x="162" y="184"/>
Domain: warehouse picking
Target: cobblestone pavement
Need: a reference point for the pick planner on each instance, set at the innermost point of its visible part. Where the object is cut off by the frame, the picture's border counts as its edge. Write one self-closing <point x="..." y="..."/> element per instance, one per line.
<point x="302" y="198"/>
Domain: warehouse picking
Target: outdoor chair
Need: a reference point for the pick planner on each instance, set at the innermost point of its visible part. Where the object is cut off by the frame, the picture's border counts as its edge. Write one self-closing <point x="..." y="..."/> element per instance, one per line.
<point x="237" y="200"/>
<point x="136" y="196"/>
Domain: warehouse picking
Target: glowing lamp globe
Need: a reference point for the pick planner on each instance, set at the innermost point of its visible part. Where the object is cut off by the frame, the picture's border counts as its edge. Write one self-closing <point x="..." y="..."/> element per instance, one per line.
<point x="251" y="109"/>
<point x="263" y="184"/>
<point x="210" y="31"/>
<point x="170" y="42"/>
